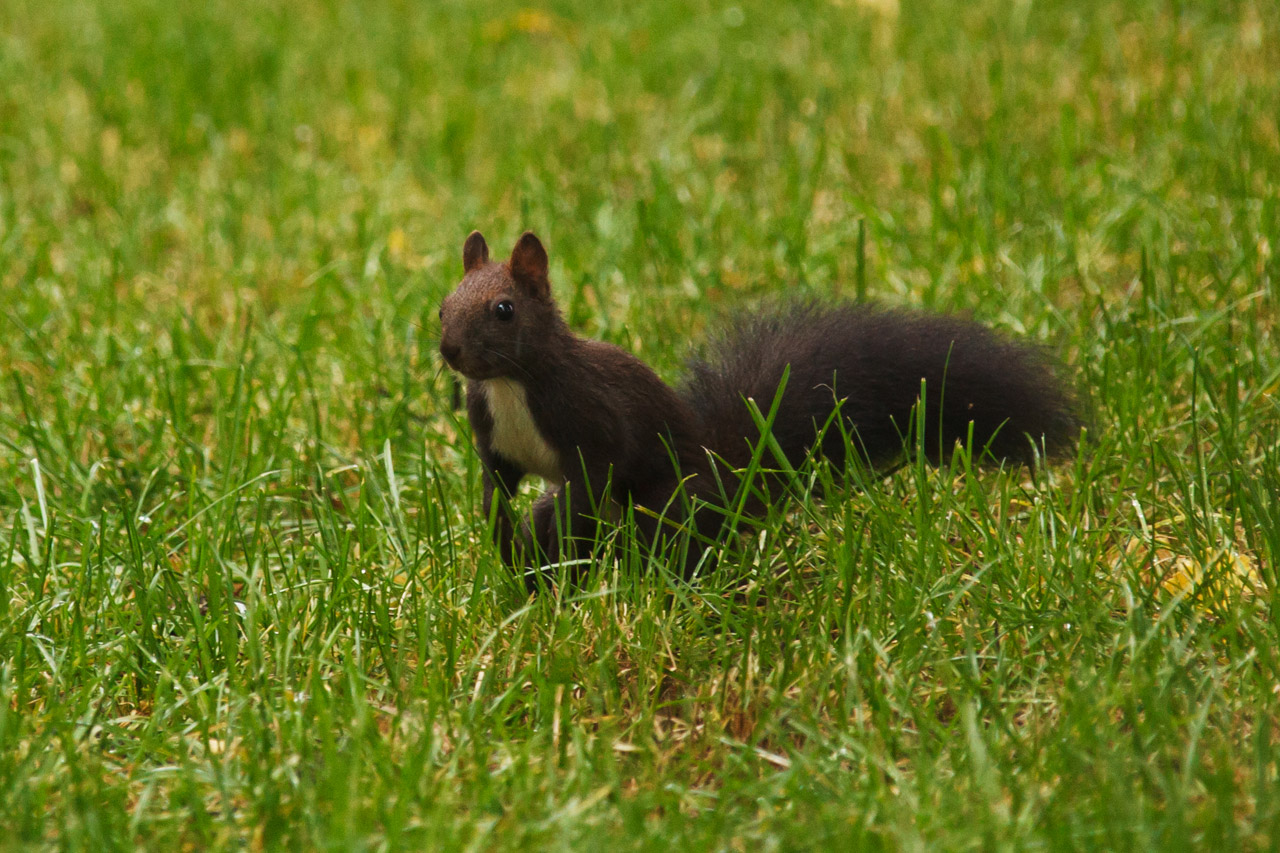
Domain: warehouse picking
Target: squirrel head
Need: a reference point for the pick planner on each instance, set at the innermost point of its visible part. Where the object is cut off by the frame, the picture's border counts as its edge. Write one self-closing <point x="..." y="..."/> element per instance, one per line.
<point x="501" y="319"/>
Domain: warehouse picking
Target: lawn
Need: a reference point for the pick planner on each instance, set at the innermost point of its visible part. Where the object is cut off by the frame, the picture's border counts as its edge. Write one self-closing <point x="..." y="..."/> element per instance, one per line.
<point x="246" y="595"/>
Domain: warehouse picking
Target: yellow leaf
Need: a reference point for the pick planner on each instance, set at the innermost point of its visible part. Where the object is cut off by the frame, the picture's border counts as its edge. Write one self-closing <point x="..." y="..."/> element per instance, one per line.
<point x="396" y="243"/>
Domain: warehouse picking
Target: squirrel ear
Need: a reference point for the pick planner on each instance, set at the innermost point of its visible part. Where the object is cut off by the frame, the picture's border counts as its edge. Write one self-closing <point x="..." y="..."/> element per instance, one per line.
<point x="529" y="264"/>
<point x="475" y="252"/>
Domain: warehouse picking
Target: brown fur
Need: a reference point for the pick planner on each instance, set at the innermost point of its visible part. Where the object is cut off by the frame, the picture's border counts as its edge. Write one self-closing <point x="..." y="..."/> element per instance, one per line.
<point x="611" y="420"/>
<point x="621" y="436"/>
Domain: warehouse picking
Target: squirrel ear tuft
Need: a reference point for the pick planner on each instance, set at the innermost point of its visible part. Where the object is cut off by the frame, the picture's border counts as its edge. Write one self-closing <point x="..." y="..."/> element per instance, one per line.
<point x="529" y="264"/>
<point x="475" y="252"/>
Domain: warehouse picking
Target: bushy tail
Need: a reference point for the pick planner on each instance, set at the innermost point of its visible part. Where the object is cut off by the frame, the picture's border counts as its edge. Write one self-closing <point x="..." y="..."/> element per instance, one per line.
<point x="874" y="360"/>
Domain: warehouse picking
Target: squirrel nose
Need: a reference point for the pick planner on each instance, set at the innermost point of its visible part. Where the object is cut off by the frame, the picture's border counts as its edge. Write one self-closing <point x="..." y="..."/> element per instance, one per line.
<point x="450" y="350"/>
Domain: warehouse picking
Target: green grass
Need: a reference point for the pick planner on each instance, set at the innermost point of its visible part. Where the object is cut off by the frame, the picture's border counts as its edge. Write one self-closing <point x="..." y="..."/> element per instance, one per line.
<point x="245" y="595"/>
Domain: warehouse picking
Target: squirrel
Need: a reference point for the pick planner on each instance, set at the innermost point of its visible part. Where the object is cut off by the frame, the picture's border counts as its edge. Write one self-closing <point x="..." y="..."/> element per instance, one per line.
<point x="605" y="432"/>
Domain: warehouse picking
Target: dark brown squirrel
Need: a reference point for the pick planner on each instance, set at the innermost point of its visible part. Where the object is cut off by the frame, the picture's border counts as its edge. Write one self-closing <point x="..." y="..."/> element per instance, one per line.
<point x="605" y="432"/>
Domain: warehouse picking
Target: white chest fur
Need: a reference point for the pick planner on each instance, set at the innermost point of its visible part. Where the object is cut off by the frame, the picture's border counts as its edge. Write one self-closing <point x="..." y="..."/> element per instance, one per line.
<point x="515" y="435"/>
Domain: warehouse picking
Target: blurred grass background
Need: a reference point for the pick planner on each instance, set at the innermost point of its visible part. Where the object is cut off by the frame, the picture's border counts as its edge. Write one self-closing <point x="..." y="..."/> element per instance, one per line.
<point x="244" y="595"/>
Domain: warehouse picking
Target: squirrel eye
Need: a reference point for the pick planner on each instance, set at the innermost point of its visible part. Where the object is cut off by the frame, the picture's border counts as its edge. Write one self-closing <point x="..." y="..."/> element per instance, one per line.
<point x="504" y="310"/>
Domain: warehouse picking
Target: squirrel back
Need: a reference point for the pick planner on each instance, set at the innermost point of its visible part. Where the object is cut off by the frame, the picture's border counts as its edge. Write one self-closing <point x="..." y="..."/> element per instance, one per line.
<point x="603" y="430"/>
